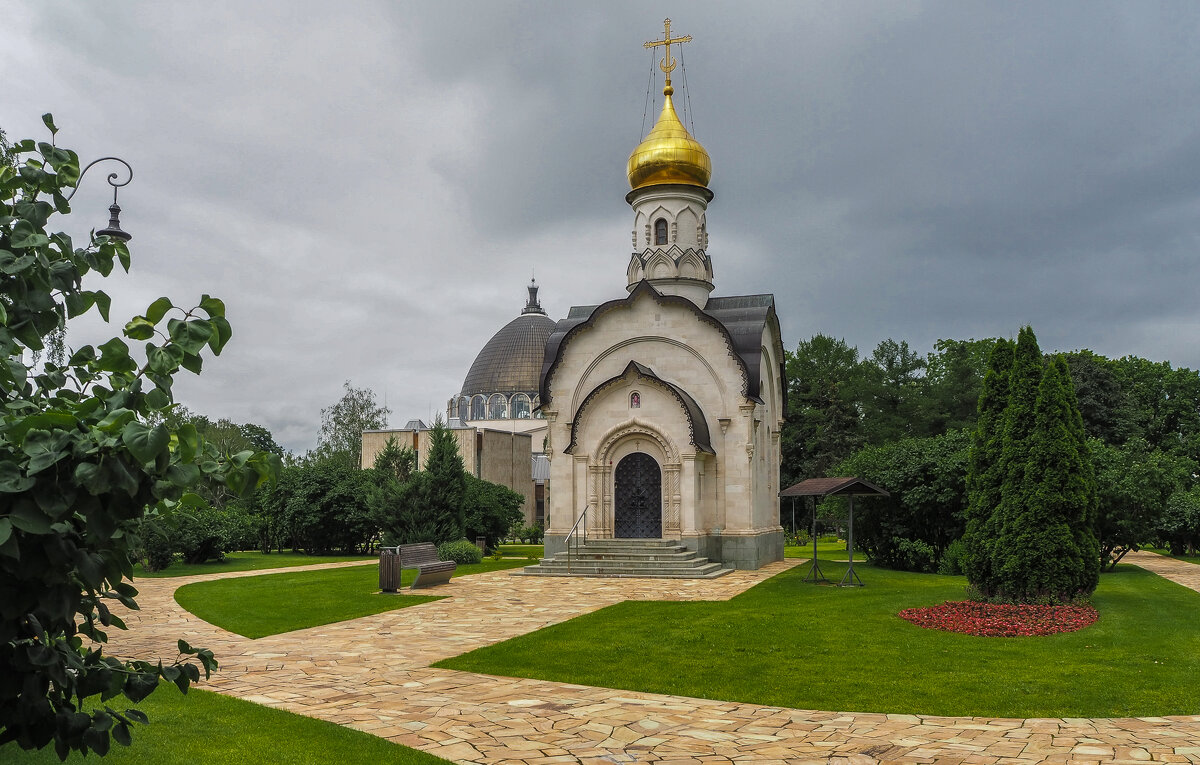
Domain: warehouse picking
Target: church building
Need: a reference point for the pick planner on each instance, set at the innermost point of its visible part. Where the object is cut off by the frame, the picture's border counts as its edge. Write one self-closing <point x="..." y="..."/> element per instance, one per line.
<point x="664" y="405"/>
<point x="653" y="416"/>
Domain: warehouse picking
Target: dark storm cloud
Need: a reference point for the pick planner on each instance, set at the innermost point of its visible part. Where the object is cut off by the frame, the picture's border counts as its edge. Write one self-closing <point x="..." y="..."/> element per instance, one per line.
<point x="370" y="186"/>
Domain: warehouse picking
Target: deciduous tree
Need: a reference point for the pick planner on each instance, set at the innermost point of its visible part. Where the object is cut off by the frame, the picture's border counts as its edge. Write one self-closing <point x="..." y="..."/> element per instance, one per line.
<point x="83" y="458"/>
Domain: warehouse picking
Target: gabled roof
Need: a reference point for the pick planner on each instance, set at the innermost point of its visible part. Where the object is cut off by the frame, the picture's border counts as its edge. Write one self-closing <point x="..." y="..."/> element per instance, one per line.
<point x="830" y="487"/>
<point x="741" y="319"/>
<point x="695" y="416"/>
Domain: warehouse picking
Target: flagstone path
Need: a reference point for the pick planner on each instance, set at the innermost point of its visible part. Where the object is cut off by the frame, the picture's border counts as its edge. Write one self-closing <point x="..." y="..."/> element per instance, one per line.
<point x="373" y="674"/>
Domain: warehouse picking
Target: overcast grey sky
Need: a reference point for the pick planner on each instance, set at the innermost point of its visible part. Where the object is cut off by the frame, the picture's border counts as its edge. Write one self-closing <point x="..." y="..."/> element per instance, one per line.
<point x="369" y="186"/>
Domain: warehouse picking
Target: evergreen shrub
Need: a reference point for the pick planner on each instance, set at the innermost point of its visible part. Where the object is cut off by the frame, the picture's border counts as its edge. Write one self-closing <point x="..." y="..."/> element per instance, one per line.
<point x="953" y="559"/>
<point x="461" y="552"/>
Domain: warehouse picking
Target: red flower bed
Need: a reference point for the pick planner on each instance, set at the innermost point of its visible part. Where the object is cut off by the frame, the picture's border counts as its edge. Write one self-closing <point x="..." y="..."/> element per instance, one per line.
<point x="997" y="620"/>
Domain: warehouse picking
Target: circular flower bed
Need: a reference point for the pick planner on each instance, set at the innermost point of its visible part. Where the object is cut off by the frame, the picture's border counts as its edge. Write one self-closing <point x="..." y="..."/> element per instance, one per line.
<point x="999" y="620"/>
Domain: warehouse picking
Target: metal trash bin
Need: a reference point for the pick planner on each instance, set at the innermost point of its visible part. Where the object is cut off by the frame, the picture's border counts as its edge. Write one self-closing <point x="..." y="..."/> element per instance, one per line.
<point x="389" y="569"/>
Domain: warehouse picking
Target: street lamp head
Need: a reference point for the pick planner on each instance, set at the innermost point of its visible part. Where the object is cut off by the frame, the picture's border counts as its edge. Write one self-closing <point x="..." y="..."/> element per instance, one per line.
<point x="114" y="210"/>
<point x="114" y="224"/>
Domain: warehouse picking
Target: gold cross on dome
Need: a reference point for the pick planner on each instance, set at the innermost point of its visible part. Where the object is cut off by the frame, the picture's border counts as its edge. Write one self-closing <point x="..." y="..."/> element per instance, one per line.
<point x="668" y="63"/>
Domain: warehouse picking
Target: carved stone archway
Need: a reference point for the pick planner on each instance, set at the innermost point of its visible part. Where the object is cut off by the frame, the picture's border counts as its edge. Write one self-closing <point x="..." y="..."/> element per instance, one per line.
<point x="628" y="438"/>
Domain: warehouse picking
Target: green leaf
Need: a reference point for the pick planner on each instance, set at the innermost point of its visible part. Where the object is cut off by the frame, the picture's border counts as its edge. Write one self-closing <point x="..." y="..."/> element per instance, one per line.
<point x="92" y="478"/>
<point x="189" y="441"/>
<point x="120" y="734"/>
<point x="139" y="328"/>
<point x="183" y="476"/>
<point x="115" y="420"/>
<point x="220" y="336"/>
<point x="48" y="121"/>
<point x="158" y="309"/>
<point x="214" y="307"/>
<point x="5" y="530"/>
<point x="144" y="442"/>
<point x="24" y="236"/>
<point x="156" y="399"/>
<point x="12" y="480"/>
<point x="192" y="335"/>
<point x="103" y="302"/>
<point x="192" y="363"/>
<point x="78" y="303"/>
<point x="27" y="517"/>
<point x="3" y="314"/>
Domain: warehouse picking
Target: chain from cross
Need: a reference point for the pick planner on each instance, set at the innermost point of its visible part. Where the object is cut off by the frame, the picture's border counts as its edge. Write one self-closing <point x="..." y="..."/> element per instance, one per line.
<point x="668" y="63"/>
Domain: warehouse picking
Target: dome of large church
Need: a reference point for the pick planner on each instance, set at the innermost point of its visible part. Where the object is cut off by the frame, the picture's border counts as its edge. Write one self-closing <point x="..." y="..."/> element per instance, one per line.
<point x="503" y="380"/>
<point x="669" y="154"/>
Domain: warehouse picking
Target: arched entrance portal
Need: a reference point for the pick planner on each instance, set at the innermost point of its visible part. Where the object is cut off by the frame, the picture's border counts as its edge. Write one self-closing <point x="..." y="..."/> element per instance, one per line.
<point x="637" y="495"/>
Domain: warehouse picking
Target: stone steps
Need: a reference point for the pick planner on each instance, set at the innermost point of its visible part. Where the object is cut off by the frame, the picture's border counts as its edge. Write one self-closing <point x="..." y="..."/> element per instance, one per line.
<point x="635" y="558"/>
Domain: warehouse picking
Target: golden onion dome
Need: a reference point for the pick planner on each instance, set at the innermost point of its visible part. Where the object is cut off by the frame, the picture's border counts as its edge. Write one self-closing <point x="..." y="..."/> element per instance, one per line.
<point x="669" y="154"/>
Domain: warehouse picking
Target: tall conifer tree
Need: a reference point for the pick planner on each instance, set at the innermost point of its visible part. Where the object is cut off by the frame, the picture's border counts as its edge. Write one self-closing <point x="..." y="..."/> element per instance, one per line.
<point x="984" y="471"/>
<point x="1085" y="518"/>
<point x="1041" y="558"/>
<point x="1019" y="419"/>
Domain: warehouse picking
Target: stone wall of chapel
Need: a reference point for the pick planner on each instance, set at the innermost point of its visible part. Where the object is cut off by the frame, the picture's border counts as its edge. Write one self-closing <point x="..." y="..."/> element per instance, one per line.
<point x="671" y="340"/>
<point x="681" y="348"/>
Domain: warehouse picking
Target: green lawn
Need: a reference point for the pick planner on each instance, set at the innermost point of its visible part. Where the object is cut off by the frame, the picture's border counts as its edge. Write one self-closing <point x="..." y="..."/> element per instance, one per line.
<point x="246" y="561"/>
<point x="831" y="550"/>
<point x="787" y="643"/>
<point x="522" y="551"/>
<point x="204" y="727"/>
<point x="257" y="606"/>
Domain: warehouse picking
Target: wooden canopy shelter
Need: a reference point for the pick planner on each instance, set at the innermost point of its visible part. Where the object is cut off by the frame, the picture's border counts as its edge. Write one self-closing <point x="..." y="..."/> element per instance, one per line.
<point x="834" y="487"/>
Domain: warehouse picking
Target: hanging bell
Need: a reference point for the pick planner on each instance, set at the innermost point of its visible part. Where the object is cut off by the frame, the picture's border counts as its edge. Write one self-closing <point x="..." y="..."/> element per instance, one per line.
<point x="114" y="224"/>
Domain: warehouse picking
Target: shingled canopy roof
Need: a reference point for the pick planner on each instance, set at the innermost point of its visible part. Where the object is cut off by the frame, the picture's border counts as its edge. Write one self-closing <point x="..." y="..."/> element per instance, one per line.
<point x="833" y="487"/>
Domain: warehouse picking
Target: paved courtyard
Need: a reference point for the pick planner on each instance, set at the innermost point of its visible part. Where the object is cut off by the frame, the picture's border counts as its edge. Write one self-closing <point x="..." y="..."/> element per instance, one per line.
<point x="373" y="674"/>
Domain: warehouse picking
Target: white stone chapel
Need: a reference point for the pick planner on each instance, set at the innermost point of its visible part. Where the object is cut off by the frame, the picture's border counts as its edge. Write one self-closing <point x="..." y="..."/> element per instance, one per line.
<point x="664" y="405"/>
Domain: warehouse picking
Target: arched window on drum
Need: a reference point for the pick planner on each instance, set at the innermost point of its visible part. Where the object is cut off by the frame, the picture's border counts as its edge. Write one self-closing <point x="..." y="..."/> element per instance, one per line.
<point x="660" y="231"/>
<point x="464" y="408"/>
<point x="520" y="406"/>
<point x="478" y="407"/>
<point x="497" y="407"/>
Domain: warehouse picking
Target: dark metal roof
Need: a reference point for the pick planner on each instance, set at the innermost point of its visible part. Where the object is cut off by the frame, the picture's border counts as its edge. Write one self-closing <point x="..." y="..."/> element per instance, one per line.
<point x="828" y="487"/>
<point x="512" y="360"/>
<point x="745" y="317"/>
<point x="696" y="422"/>
<point x="741" y="318"/>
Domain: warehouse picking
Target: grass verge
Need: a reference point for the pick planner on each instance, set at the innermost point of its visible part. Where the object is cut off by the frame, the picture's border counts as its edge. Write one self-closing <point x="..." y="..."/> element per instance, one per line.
<point x="1167" y="553"/>
<point x="257" y="606"/>
<point x="522" y="551"/>
<point x="833" y="550"/>
<point x="245" y="561"/>
<point x="205" y="727"/>
<point x="791" y="644"/>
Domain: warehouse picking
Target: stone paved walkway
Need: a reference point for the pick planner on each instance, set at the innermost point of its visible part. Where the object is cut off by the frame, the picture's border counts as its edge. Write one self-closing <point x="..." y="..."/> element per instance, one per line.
<point x="373" y="674"/>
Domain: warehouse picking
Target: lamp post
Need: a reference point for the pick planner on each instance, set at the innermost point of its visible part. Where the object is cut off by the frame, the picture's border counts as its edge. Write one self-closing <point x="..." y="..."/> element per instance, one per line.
<point x="114" y="210"/>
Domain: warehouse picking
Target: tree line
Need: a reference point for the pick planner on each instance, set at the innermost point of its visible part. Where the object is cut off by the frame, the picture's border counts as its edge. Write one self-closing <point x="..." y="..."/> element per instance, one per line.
<point x="323" y="502"/>
<point x="903" y="421"/>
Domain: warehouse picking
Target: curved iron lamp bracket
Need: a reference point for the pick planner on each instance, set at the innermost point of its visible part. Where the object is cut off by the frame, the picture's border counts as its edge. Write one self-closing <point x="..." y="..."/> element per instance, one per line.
<point x="112" y="177"/>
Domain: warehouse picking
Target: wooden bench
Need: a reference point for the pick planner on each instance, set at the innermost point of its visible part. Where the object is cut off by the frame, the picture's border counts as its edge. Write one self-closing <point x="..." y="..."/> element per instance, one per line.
<point x="424" y="558"/>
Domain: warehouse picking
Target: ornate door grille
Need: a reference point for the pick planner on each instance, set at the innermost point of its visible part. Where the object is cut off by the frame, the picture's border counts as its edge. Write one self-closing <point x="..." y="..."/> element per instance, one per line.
<point x="638" y="498"/>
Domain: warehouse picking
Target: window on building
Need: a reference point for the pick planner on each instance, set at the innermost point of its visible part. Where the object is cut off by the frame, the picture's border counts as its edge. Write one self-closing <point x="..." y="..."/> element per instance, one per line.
<point x="464" y="408"/>
<point x="497" y="407"/>
<point x="520" y="406"/>
<point x="660" y="231"/>
<point x="478" y="408"/>
<point x="635" y="400"/>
